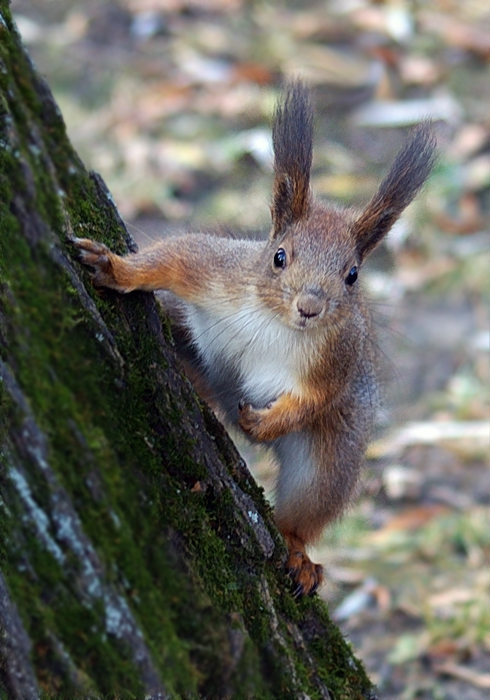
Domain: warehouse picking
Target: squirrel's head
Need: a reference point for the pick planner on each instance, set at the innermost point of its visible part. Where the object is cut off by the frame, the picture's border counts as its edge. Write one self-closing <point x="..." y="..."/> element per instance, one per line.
<point x="311" y="269"/>
<point x="315" y="252"/>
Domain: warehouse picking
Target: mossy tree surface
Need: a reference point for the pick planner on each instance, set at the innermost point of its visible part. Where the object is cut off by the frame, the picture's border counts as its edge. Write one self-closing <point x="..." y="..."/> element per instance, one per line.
<point x="138" y="556"/>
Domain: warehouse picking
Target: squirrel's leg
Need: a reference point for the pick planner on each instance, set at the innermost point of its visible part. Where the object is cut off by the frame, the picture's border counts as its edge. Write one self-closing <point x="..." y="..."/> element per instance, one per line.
<point x="319" y="468"/>
<point x="180" y="264"/>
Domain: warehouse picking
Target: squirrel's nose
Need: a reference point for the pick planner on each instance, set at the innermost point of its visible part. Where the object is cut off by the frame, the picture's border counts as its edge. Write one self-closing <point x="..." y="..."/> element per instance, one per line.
<point x="309" y="304"/>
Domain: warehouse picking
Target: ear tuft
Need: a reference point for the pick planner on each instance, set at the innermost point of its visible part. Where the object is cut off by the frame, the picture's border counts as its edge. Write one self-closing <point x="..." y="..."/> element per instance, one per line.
<point x="292" y="138"/>
<point x="407" y="175"/>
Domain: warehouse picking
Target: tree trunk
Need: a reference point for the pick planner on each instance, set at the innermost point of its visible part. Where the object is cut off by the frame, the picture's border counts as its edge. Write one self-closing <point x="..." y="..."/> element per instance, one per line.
<point x="138" y="555"/>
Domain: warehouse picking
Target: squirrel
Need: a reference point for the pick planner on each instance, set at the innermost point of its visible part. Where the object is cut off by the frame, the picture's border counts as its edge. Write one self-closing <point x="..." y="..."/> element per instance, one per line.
<point x="281" y="328"/>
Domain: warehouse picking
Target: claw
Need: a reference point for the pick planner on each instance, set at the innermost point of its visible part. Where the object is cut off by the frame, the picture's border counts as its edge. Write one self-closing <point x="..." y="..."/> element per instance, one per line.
<point x="298" y="591"/>
<point x="99" y="258"/>
<point x="314" y="589"/>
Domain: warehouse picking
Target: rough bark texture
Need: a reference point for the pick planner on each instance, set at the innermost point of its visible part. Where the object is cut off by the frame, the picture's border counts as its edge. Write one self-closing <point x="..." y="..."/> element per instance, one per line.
<point x="138" y="556"/>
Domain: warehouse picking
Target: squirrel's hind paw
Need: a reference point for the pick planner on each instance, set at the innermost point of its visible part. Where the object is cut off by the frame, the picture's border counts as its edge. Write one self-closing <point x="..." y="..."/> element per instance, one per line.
<point x="306" y="576"/>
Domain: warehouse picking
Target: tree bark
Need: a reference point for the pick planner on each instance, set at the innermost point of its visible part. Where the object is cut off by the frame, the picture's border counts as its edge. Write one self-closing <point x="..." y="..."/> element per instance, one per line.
<point x="138" y="556"/>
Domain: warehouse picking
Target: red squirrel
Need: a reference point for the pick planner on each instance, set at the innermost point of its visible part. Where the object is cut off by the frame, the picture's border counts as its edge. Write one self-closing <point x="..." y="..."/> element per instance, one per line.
<point x="281" y="328"/>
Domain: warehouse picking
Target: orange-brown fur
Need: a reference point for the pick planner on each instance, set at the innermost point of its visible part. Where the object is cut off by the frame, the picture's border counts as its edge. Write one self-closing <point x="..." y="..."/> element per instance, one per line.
<point x="280" y="332"/>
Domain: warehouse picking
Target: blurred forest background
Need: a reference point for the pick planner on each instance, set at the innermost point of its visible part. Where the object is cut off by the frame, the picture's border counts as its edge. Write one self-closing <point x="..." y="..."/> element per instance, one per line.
<point x="172" y="100"/>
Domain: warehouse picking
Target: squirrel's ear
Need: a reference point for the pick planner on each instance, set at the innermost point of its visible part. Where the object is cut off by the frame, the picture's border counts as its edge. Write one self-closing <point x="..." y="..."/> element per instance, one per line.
<point x="292" y="138"/>
<point x="408" y="173"/>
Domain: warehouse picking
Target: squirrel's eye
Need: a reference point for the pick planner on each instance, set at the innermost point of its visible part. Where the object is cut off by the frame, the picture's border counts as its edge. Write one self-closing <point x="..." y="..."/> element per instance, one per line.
<point x="352" y="276"/>
<point x="280" y="258"/>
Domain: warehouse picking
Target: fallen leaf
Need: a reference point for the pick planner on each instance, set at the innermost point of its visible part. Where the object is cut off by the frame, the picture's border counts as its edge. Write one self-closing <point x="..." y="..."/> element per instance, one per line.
<point x="411" y="519"/>
<point x="383" y="113"/>
<point x="468" y="141"/>
<point x="455" y="32"/>
<point x="418" y="70"/>
<point x="322" y="65"/>
<point x="479" y="680"/>
<point x="252" y="72"/>
<point x="400" y="481"/>
<point x="383" y="597"/>
<point x="469" y="218"/>
<point x="443" y="648"/>
<point x="451" y="597"/>
<point x="343" y="574"/>
<point x="357" y="601"/>
<point x="409" y="647"/>
<point x="429" y="433"/>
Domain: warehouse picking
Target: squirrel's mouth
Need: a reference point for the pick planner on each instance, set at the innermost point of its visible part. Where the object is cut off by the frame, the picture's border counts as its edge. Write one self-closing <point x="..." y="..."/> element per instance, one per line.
<point x="325" y="315"/>
<point x="302" y="323"/>
<point x="309" y="307"/>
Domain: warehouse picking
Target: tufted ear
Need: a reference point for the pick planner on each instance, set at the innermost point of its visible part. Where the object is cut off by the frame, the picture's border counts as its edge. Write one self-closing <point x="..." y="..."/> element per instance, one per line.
<point x="292" y="138"/>
<point x="408" y="173"/>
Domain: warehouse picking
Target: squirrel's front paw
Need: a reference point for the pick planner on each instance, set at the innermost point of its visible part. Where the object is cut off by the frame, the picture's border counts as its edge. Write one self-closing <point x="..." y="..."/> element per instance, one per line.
<point x="248" y="419"/>
<point x="256" y="422"/>
<point x="99" y="257"/>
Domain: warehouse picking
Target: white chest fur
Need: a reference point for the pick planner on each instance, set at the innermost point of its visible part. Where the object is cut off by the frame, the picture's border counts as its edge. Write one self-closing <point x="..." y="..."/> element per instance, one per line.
<point x="266" y="356"/>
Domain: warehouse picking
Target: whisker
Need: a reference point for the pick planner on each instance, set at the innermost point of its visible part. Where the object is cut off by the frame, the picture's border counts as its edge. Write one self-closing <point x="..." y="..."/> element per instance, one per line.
<point x="144" y="233"/>
<point x="249" y="321"/>
<point x="388" y="329"/>
<point x="261" y="328"/>
<point x="236" y="315"/>
<point x="218" y="305"/>
<point x="238" y="319"/>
